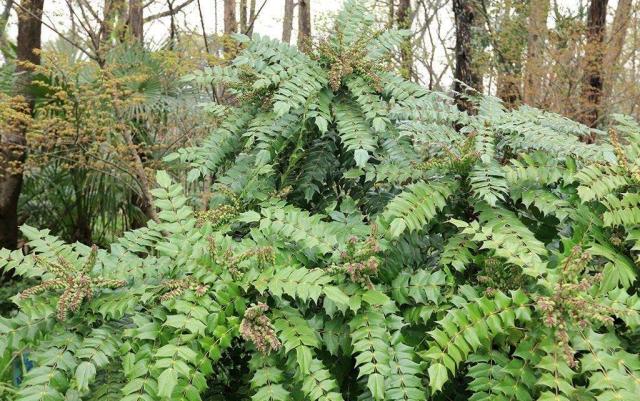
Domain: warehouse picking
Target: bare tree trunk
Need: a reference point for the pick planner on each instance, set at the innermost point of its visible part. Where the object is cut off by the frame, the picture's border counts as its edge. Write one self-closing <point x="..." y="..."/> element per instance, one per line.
<point x="230" y="25"/>
<point x="172" y="26"/>
<point x="252" y="17"/>
<point x="215" y="17"/>
<point x="147" y="204"/>
<point x="304" y="23"/>
<point x="106" y="27"/>
<point x="508" y="89"/>
<point x="204" y="32"/>
<point x="287" y="21"/>
<point x="115" y="13"/>
<point x="73" y="29"/>
<point x="616" y="42"/>
<point x="4" y="18"/>
<point x="508" y="52"/>
<point x="243" y="16"/>
<point x="465" y="74"/>
<point x="12" y="138"/>
<point x="594" y="57"/>
<point x="534" y="73"/>
<point x="136" y="20"/>
<point x="82" y="230"/>
<point x="404" y="19"/>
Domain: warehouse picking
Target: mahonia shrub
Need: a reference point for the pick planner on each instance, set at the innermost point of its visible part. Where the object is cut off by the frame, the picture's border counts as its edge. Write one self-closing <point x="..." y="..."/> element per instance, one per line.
<point x="365" y="240"/>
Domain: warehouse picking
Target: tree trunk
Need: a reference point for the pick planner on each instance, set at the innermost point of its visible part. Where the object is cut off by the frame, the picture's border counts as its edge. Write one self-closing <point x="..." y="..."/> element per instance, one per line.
<point x="147" y="205"/>
<point x="304" y="23"/>
<point x="465" y="75"/>
<point x="4" y="18"/>
<point x="12" y="155"/>
<point x="114" y="22"/>
<point x="136" y="20"/>
<point x="534" y="73"/>
<point x="508" y="89"/>
<point x="509" y="51"/>
<point x="404" y="19"/>
<point x="243" y="16"/>
<point x="106" y="27"/>
<point x="82" y="230"/>
<point x="230" y="26"/>
<point x="594" y="57"/>
<point x="615" y="44"/>
<point x="172" y="26"/>
<point x="230" y="23"/>
<point x="12" y="137"/>
<point x="287" y="21"/>
<point x="252" y="17"/>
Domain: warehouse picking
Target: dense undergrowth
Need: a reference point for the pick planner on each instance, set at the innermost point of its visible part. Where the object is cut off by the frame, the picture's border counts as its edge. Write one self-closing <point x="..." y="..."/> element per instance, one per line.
<point x="365" y="240"/>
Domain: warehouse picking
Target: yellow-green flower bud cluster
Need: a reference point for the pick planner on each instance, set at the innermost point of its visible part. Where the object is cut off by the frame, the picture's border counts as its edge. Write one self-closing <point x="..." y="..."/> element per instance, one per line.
<point x="570" y="303"/>
<point x="497" y="275"/>
<point x="632" y="170"/>
<point x="177" y="287"/>
<point x="76" y="283"/>
<point x="221" y="214"/>
<point x="344" y="61"/>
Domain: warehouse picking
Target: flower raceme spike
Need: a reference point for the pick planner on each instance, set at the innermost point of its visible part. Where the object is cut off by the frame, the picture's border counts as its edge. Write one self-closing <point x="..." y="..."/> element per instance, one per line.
<point x="571" y="304"/>
<point x="360" y="259"/>
<point x="257" y="328"/>
<point x="178" y="286"/>
<point x="76" y="284"/>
